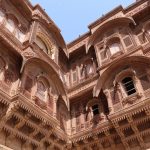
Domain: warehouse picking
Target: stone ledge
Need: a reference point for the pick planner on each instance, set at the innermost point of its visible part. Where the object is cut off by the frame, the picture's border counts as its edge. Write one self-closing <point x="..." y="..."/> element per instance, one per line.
<point x="2" y="147"/>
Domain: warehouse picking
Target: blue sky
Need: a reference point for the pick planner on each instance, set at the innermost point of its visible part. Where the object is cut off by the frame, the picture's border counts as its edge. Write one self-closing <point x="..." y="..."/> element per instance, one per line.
<point x="73" y="16"/>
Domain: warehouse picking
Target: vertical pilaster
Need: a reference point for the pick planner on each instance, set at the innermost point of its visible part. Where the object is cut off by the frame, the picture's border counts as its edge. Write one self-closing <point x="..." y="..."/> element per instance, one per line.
<point x="109" y="100"/>
<point x="73" y="120"/>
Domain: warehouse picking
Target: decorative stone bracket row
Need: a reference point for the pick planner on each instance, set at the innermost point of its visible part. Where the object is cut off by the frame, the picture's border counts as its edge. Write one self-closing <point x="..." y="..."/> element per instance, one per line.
<point x="89" y="139"/>
<point x="10" y="109"/>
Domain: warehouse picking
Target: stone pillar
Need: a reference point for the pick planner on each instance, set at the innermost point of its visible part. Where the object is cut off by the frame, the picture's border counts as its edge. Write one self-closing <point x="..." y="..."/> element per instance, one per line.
<point x="78" y="73"/>
<point x="33" y="29"/>
<point x="138" y="86"/>
<point x="22" y="81"/>
<point x="55" y="106"/>
<point x="73" y="121"/>
<point x="82" y="120"/>
<point x="109" y="100"/>
<point x="14" y="88"/>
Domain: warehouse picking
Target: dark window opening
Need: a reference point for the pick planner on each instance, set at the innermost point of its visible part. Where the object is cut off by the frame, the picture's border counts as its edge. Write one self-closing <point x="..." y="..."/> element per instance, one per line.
<point x="129" y="85"/>
<point x="95" y="110"/>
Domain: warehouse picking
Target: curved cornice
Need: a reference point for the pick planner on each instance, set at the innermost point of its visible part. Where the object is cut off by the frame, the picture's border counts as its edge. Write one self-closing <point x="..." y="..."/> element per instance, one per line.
<point x="114" y="22"/>
<point x="105" y="75"/>
<point x="52" y="73"/>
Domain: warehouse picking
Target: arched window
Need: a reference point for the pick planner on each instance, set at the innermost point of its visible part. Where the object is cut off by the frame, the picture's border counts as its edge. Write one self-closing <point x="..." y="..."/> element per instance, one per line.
<point x="129" y="86"/>
<point x="95" y="110"/>
<point x="41" y="44"/>
<point x="114" y="48"/>
<point x="10" y="25"/>
<point x="1" y="16"/>
<point x="41" y="91"/>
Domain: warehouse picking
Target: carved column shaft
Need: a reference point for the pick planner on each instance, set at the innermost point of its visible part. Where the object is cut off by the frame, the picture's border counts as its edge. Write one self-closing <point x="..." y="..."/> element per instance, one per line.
<point x="32" y="35"/>
<point x="109" y="100"/>
<point x="55" y="107"/>
<point x="73" y="120"/>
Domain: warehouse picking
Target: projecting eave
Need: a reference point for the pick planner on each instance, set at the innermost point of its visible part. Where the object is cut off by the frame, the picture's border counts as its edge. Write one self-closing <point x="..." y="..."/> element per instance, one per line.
<point x="135" y="4"/>
<point x="79" y="42"/>
<point x="123" y="21"/>
<point x="38" y="7"/>
<point x="79" y="39"/>
<point x="105" y="17"/>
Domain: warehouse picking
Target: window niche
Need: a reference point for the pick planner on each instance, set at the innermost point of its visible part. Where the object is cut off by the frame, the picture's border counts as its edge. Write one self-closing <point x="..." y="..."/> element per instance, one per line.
<point x="126" y="37"/>
<point x="96" y="110"/>
<point x="114" y="46"/>
<point x="111" y="47"/>
<point x="13" y="25"/>
<point x="41" y="44"/>
<point x="128" y="86"/>
<point x="42" y="91"/>
<point x="86" y="69"/>
<point x="126" y="80"/>
<point x="45" y="44"/>
<point x="144" y="35"/>
<point x="103" y="53"/>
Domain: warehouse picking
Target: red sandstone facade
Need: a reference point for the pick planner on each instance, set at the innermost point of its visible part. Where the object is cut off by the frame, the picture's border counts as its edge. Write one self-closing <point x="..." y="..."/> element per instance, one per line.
<point x="92" y="94"/>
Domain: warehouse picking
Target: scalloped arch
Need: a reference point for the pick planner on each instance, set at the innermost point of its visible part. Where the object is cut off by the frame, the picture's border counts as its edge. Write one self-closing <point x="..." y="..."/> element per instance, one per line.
<point x="46" y="40"/>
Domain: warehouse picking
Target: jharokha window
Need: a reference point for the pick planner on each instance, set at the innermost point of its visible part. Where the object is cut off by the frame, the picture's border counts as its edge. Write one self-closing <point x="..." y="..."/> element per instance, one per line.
<point x="41" y="91"/>
<point x="41" y="44"/>
<point x="114" y="48"/>
<point x="129" y="86"/>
